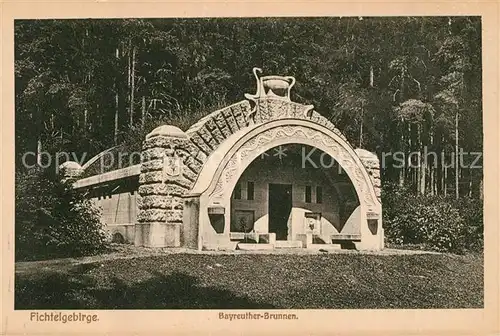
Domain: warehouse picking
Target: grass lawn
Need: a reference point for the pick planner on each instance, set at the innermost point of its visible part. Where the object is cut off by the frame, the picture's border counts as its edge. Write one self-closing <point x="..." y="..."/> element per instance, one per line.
<point x="234" y="281"/>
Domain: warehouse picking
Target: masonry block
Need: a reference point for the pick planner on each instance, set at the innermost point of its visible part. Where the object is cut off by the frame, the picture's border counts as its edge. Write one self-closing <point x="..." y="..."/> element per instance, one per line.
<point x="156" y="202"/>
<point x="155" y="153"/>
<point x="151" y="215"/>
<point x="162" y="189"/>
<point x="205" y="134"/>
<point x="153" y="165"/>
<point x="239" y="116"/>
<point x="231" y="121"/>
<point x="151" y="177"/>
<point x="197" y="140"/>
<point x="222" y="125"/>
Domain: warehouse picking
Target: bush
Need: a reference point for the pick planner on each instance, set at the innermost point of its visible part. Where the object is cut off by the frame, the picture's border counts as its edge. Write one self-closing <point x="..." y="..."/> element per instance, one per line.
<point x="441" y="224"/>
<point x="471" y="210"/>
<point x="53" y="220"/>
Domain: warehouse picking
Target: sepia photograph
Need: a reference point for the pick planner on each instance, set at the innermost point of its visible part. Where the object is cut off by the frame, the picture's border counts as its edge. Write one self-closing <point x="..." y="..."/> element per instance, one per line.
<point x="249" y="163"/>
<point x="250" y="168"/>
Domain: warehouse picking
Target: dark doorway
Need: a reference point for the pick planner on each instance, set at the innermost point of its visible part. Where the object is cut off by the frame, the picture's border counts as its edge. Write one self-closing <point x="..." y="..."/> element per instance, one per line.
<point x="280" y="206"/>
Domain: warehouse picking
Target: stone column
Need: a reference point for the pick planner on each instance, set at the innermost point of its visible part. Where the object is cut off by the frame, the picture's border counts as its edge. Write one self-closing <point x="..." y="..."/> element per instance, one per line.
<point x="163" y="181"/>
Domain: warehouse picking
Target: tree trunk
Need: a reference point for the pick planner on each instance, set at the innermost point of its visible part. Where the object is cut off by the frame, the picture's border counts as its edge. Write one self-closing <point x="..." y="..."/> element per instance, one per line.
<point x="441" y="177"/>
<point x="132" y="87"/>
<point x="143" y="112"/>
<point x="445" y="184"/>
<point x="432" y="165"/>
<point x="439" y="167"/>
<point x="470" y="184"/>
<point x="85" y="115"/>
<point x="423" y="172"/>
<point x="481" y="190"/>
<point x="371" y="75"/>
<point x="457" y="193"/>
<point x="431" y="177"/>
<point x="101" y="116"/>
<point x="407" y="152"/>
<point x="422" y="162"/>
<point x="129" y="63"/>
<point x="361" y="126"/>
<point x="402" y="169"/>
<point x="116" y="118"/>
<point x="116" y="104"/>
<point x="39" y="152"/>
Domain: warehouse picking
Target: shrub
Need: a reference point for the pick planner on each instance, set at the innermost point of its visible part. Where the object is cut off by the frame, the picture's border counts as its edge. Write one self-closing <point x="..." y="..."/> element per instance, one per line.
<point x="471" y="210"/>
<point x="439" y="223"/>
<point x="53" y="220"/>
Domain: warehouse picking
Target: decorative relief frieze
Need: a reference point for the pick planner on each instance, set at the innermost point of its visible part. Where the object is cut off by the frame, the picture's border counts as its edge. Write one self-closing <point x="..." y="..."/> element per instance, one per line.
<point x="298" y="134"/>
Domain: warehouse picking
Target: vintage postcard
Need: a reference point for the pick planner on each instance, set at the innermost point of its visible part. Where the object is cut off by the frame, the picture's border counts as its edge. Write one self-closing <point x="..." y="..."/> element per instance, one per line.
<point x="250" y="168"/>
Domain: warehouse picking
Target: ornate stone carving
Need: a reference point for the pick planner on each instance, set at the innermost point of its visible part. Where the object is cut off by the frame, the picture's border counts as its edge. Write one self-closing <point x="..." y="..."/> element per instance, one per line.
<point x="272" y="100"/>
<point x="271" y="86"/>
<point x="253" y="147"/>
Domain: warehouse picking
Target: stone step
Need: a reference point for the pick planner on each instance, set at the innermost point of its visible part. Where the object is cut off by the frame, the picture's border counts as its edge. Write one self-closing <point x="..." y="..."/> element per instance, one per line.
<point x="231" y="246"/>
<point x="288" y="244"/>
<point x="254" y="247"/>
<point x="327" y="247"/>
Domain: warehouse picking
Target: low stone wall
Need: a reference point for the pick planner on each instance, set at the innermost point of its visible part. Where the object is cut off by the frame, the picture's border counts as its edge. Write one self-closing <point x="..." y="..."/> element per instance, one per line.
<point x="122" y="233"/>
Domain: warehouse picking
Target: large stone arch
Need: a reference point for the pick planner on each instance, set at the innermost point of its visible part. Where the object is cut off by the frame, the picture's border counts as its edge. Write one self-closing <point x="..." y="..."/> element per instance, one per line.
<point x="288" y="131"/>
<point x="230" y="161"/>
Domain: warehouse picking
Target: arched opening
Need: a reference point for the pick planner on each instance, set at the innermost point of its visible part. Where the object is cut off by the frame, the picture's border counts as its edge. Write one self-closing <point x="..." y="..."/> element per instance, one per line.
<point x="291" y="190"/>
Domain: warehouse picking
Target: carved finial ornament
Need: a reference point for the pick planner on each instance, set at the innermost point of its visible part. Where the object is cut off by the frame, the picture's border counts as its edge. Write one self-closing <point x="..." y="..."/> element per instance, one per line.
<point x="275" y="87"/>
<point x="271" y="86"/>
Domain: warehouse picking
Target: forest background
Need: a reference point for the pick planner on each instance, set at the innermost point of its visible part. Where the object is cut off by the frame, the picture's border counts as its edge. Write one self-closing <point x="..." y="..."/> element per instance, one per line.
<point x="390" y="84"/>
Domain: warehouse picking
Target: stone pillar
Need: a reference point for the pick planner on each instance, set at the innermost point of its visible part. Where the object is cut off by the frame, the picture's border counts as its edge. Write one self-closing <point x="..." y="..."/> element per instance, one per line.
<point x="163" y="181"/>
<point x="371" y="163"/>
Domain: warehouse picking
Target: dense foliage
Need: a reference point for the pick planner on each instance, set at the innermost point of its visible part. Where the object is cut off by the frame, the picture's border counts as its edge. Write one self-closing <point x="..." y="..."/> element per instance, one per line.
<point x="471" y="211"/>
<point x="391" y="84"/>
<point x="53" y="220"/>
<point x="433" y="222"/>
